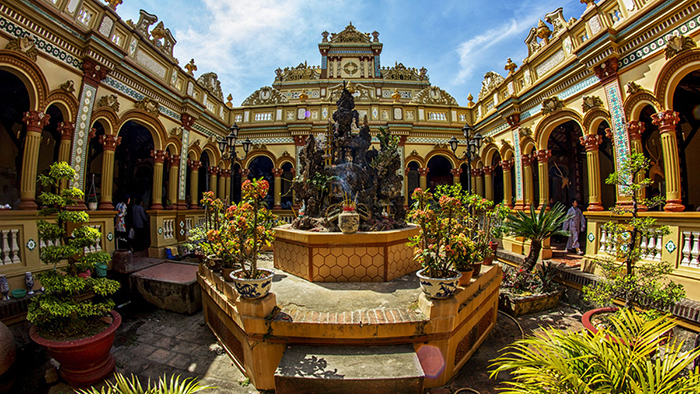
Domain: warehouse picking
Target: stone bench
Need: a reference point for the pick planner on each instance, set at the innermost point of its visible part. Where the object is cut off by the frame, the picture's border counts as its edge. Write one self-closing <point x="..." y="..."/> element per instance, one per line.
<point x="171" y="286"/>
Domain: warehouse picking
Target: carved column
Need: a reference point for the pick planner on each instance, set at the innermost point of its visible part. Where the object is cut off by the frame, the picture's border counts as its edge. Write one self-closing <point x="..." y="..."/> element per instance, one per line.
<point x="157" y="192"/>
<point x="423" y="173"/>
<point x="635" y="130"/>
<point x="194" y="183"/>
<point x="227" y="186"/>
<point x="455" y="175"/>
<point x="529" y="184"/>
<point x="666" y="121"/>
<point x="479" y="182"/>
<point x="277" y="172"/>
<point x="66" y="129"/>
<point x="472" y="181"/>
<point x="543" y="172"/>
<point x="187" y="122"/>
<point x="173" y="176"/>
<point x="109" y="145"/>
<point x="488" y="182"/>
<point x="213" y="172"/>
<point x="507" y="165"/>
<point x="35" y="122"/>
<point x="221" y="185"/>
<point x="591" y="142"/>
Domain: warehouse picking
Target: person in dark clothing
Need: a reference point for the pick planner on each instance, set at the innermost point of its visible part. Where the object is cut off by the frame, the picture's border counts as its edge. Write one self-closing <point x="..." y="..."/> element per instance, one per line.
<point x="139" y="221"/>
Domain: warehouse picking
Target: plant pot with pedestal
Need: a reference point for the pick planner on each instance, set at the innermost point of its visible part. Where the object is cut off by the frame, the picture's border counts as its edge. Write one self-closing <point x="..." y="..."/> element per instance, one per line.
<point x="252" y="288"/>
<point x="439" y="288"/>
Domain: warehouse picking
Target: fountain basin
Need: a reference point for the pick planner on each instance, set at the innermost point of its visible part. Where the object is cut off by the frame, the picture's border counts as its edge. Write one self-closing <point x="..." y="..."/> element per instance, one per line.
<point x="377" y="256"/>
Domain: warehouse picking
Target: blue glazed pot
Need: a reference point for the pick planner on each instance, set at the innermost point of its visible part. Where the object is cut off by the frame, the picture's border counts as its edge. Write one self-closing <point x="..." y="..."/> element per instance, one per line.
<point x="438" y="288"/>
<point x="252" y="288"/>
<point x="101" y="270"/>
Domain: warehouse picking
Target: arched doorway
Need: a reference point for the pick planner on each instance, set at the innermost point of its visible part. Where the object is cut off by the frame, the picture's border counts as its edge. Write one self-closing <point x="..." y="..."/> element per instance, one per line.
<point x="439" y="172"/>
<point x="50" y="143"/>
<point x="204" y="186"/>
<point x="133" y="164"/>
<point x="568" y="178"/>
<point x="94" y="162"/>
<point x="686" y="101"/>
<point x="261" y="167"/>
<point x="606" y="158"/>
<point x="651" y="146"/>
<point x="287" y="200"/>
<point x="236" y="182"/>
<point x="497" y="178"/>
<point x="14" y="102"/>
<point x="412" y="179"/>
<point x="464" y="177"/>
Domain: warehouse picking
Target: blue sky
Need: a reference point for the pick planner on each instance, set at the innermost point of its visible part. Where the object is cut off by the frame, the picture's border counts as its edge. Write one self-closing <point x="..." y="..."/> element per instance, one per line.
<point x="244" y="41"/>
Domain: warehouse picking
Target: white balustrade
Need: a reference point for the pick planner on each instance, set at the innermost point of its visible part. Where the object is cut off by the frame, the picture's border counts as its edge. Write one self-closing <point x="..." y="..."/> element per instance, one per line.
<point x="659" y="245"/>
<point x="9" y="244"/>
<point x="603" y="240"/>
<point x="686" y="248"/>
<point x="695" y="251"/>
<point x="644" y="252"/>
<point x="168" y="228"/>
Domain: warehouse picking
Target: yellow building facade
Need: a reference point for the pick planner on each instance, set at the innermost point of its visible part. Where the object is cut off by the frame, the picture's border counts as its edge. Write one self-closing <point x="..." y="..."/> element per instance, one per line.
<point x="81" y="85"/>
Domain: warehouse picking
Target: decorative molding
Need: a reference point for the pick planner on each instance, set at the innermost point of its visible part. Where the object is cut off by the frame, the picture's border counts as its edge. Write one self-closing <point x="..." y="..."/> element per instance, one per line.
<point x="68" y="86"/>
<point x="264" y="96"/>
<point x="110" y="101"/>
<point x="210" y="82"/>
<point x="53" y="49"/>
<point x="401" y="73"/>
<point x="551" y="105"/>
<point x="349" y="35"/>
<point x="434" y="95"/>
<point x="590" y="102"/>
<point x="491" y="81"/>
<point x="149" y="105"/>
<point x="25" y="45"/>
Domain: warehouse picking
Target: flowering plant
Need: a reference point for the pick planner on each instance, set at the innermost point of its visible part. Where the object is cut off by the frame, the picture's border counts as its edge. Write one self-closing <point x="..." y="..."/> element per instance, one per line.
<point x="522" y="282"/>
<point x="238" y="233"/>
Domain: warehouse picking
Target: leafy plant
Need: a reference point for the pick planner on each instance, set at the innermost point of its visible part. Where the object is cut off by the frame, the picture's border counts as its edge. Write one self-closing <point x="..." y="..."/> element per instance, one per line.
<point x="638" y="284"/>
<point x="519" y="282"/>
<point x="536" y="227"/>
<point x="554" y="361"/>
<point x="124" y="385"/>
<point x="62" y="310"/>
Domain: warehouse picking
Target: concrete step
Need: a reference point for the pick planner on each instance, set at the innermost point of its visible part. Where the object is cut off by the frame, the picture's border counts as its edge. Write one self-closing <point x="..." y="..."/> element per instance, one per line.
<point x="171" y="286"/>
<point x="349" y="370"/>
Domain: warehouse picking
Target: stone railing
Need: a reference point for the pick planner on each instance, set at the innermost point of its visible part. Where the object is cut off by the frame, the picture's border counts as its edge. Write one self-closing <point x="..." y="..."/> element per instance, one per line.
<point x="284" y="216"/>
<point x="9" y="246"/>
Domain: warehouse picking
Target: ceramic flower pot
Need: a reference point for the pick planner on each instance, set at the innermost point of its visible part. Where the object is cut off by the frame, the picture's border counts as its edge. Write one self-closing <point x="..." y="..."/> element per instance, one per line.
<point x="92" y="206"/>
<point x="466" y="277"/>
<point x="85" y="361"/>
<point x="438" y="288"/>
<point x="477" y="269"/>
<point x="349" y="222"/>
<point x="252" y="288"/>
<point x="226" y="273"/>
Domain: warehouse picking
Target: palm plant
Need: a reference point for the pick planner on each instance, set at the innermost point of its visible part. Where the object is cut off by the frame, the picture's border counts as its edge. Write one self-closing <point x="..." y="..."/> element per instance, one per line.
<point x="555" y="361"/>
<point x="536" y="227"/>
<point x="124" y="385"/>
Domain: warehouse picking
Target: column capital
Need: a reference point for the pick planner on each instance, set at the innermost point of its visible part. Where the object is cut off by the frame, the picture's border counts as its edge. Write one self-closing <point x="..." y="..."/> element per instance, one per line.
<point x="187" y="121"/>
<point x="456" y="171"/>
<point x="158" y="156"/>
<point x="507" y="165"/>
<point x="666" y="121"/>
<point x="607" y="70"/>
<point x="487" y="170"/>
<point x="591" y="141"/>
<point x="110" y="142"/>
<point x="423" y="171"/>
<point x="528" y="160"/>
<point x="299" y="140"/>
<point x="277" y="172"/>
<point x="635" y="129"/>
<point x="226" y="173"/>
<point x="94" y="72"/>
<point x="244" y="173"/>
<point x="35" y="120"/>
<point x="66" y="129"/>
<point x="194" y="165"/>
<point x="543" y="155"/>
<point x="476" y="172"/>
<point x="174" y="160"/>
<point x="213" y="170"/>
<point x="513" y="120"/>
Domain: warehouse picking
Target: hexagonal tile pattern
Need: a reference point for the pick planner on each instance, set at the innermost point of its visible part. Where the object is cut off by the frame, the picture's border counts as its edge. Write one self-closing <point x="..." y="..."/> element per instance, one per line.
<point x="291" y="258"/>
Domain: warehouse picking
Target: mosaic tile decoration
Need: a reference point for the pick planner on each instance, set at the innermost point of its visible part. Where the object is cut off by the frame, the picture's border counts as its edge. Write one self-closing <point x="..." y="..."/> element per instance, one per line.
<point x="518" y="165"/>
<point x="563" y="95"/>
<point x="43" y="45"/>
<point x="619" y="127"/>
<point x="659" y="44"/>
<point x="423" y="140"/>
<point x="377" y="67"/>
<point x="591" y="237"/>
<point x="181" y="192"/>
<point x="119" y="86"/>
<point x="670" y="246"/>
<point x="80" y="138"/>
<point x="496" y="130"/>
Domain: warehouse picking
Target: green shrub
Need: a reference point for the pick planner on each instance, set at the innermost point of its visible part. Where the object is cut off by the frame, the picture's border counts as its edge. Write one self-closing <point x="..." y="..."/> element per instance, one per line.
<point x="124" y="385"/>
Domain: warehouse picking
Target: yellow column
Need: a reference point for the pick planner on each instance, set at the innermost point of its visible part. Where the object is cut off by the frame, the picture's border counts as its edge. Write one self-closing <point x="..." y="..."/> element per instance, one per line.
<point x="455" y="175"/>
<point x="479" y="182"/>
<point x="194" y="183"/>
<point x="507" y="165"/>
<point x="221" y="182"/>
<point x="109" y="144"/>
<point x="488" y="182"/>
<point x="591" y="142"/>
<point x="66" y="129"/>
<point x="173" y="177"/>
<point x="666" y="122"/>
<point x="423" y="172"/>
<point x="528" y="182"/>
<point x="35" y="122"/>
<point x="635" y="130"/>
<point x="277" y="172"/>
<point x="472" y="181"/>
<point x="227" y="186"/>
<point x="406" y="192"/>
<point x="157" y="192"/>
<point x="543" y="172"/>
<point x="213" y="171"/>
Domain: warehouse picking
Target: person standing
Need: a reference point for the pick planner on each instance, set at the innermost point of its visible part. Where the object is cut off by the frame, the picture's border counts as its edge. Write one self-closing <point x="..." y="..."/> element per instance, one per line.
<point x="120" y="226"/>
<point x="575" y="224"/>
<point x="139" y="221"/>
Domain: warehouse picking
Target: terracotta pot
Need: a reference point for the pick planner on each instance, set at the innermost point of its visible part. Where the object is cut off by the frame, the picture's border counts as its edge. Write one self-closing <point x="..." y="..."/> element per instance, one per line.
<point x="586" y="318"/>
<point x="226" y="273"/>
<point x="438" y="288"/>
<point x="477" y="269"/>
<point x="488" y="260"/>
<point x="85" y="361"/>
<point x="466" y="277"/>
<point x="252" y="288"/>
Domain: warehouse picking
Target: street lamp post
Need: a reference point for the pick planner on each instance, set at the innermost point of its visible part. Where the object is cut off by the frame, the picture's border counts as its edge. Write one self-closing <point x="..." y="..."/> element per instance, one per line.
<point x="474" y="140"/>
<point x="228" y="144"/>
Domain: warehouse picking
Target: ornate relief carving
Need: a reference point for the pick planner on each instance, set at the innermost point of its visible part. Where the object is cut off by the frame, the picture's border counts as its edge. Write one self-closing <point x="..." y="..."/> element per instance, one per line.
<point x="25" y="45"/>
<point x="302" y="72"/>
<point x="556" y="19"/>
<point x="210" y="82"/>
<point x="187" y="121"/>
<point x="551" y="104"/>
<point x="176" y="132"/>
<point x="113" y="4"/>
<point x="525" y="132"/>
<point x="163" y="39"/>
<point x="149" y="105"/>
<point x="590" y="102"/>
<point x="678" y="44"/>
<point x="607" y="69"/>
<point x="401" y="73"/>
<point x="110" y="101"/>
<point x="491" y="81"/>
<point x="94" y="71"/>
<point x="266" y="95"/>
<point x="633" y="87"/>
<point x="110" y="142"/>
<point x="434" y="95"/>
<point x="68" y="86"/>
<point x="591" y="141"/>
<point x="350" y="34"/>
<point x="510" y="66"/>
<point x="359" y="92"/>
<point x="191" y="67"/>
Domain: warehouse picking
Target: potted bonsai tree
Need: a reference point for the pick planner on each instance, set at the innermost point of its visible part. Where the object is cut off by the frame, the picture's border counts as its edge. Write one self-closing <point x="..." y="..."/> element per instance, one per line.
<point x="73" y="319"/>
<point x="435" y="243"/>
<point x="643" y="285"/>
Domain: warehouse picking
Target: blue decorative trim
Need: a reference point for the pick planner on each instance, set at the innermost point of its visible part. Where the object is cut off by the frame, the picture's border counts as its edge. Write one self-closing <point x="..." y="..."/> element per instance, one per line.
<point x="43" y="45"/>
<point x="670" y="246"/>
<point x="31" y="244"/>
<point x="659" y="44"/>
